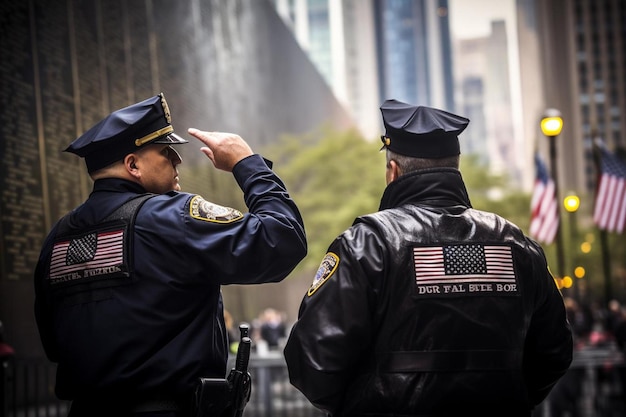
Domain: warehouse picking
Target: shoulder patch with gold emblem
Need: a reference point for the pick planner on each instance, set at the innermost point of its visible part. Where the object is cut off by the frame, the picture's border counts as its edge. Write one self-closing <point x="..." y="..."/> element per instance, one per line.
<point x="327" y="268"/>
<point x="201" y="209"/>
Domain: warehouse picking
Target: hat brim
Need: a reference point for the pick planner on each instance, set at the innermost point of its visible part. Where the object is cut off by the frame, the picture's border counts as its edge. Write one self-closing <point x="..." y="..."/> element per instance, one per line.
<point x="170" y="139"/>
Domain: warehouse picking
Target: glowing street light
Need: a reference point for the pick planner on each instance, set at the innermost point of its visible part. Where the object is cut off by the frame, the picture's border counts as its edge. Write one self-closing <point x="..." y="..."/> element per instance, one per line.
<point x="551" y="125"/>
<point x="571" y="203"/>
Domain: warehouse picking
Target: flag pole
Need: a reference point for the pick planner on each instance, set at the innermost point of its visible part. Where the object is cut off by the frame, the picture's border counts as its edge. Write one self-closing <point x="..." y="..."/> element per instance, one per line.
<point x="559" y="235"/>
<point x="604" y="243"/>
<point x="606" y="266"/>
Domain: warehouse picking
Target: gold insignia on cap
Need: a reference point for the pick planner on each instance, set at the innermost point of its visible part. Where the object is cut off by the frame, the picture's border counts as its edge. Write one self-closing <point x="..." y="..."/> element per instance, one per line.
<point x="166" y="109"/>
<point x="154" y="135"/>
<point x="387" y="141"/>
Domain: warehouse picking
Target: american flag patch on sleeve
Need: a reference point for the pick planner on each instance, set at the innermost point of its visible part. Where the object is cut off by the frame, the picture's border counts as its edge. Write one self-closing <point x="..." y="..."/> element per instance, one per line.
<point x="464" y="269"/>
<point x="96" y="255"/>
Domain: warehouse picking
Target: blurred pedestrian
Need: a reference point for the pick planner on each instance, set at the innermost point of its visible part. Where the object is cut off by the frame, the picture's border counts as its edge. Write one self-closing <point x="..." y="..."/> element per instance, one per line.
<point x="613" y="316"/>
<point x="429" y="307"/>
<point x="128" y="298"/>
<point x="273" y="329"/>
<point x="581" y="321"/>
<point x="620" y="340"/>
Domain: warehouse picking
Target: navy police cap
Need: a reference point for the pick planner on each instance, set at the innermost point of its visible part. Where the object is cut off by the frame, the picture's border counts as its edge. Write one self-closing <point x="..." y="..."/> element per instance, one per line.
<point x="125" y="131"/>
<point x="419" y="131"/>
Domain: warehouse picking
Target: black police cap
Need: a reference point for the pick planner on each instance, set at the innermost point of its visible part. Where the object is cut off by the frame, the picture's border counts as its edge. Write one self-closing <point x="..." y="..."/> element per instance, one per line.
<point x="125" y="131"/>
<point x="419" y="131"/>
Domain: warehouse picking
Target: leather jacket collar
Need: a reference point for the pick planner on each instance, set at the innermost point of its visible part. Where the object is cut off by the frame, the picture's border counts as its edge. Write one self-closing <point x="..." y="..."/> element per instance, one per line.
<point x="434" y="187"/>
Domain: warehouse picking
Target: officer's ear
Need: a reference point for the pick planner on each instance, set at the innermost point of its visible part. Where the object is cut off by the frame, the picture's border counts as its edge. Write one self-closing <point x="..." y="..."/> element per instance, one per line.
<point x="392" y="172"/>
<point x="130" y="163"/>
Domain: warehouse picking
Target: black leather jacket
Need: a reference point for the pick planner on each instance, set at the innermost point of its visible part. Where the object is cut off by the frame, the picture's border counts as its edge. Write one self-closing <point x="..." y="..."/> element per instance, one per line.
<point x="429" y="307"/>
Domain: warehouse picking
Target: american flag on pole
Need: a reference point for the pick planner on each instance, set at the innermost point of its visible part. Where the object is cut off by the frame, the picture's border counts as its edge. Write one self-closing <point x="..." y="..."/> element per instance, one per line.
<point x="610" y="206"/>
<point x="544" y="218"/>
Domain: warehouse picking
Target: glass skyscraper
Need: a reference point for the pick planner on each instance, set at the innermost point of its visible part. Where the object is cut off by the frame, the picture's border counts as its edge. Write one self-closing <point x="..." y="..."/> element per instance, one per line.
<point x="414" y="51"/>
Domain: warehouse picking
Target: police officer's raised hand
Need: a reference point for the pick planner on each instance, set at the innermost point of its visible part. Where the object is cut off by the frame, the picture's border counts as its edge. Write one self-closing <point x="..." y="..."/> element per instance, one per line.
<point x="223" y="149"/>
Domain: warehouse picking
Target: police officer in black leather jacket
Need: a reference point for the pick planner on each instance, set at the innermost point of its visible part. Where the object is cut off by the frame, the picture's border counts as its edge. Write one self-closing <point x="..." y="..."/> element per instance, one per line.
<point x="429" y="307"/>
<point x="128" y="300"/>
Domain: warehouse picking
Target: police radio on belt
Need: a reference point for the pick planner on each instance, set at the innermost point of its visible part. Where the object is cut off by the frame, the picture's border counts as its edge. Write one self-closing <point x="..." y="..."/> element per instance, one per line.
<point x="219" y="397"/>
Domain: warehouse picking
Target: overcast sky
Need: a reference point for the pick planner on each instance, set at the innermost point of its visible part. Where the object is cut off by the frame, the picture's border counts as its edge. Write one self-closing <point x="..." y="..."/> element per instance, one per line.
<point x="472" y="18"/>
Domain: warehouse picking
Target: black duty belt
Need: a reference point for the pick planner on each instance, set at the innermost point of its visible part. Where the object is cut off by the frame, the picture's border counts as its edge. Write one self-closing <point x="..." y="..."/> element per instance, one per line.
<point x="449" y="361"/>
<point x="144" y="406"/>
<point x="125" y="406"/>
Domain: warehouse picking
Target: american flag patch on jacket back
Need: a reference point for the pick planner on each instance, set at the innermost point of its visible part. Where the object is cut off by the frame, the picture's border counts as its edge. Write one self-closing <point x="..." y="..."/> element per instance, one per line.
<point x="464" y="269"/>
<point x="99" y="254"/>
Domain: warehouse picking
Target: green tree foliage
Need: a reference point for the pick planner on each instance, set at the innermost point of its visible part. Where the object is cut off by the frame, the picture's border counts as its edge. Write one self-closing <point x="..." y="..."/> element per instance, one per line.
<point x="333" y="177"/>
<point x="493" y="193"/>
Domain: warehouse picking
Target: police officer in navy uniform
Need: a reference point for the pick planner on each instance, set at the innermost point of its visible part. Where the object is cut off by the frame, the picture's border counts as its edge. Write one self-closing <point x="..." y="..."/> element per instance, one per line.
<point x="429" y="307"/>
<point x="128" y="300"/>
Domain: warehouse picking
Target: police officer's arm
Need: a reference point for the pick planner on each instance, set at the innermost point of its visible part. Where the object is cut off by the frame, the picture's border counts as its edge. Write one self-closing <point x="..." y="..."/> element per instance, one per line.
<point x="549" y="346"/>
<point x="334" y="327"/>
<point x="269" y="241"/>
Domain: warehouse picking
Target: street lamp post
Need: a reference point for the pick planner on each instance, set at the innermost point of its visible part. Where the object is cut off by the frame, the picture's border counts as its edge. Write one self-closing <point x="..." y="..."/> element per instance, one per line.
<point x="551" y="125"/>
<point x="571" y="203"/>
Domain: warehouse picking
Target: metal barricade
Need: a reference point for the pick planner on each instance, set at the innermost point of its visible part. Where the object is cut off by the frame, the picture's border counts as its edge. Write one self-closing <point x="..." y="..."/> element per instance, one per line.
<point x="272" y="394"/>
<point x="592" y="387"/>
<point x="595" y="374"/>
<point x="7" y="370"/>
<point x="29" y="390"/>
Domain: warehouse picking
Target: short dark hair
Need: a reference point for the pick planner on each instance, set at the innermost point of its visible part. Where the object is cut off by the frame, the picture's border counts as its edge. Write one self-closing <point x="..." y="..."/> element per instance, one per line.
<point x="408" y="164"/>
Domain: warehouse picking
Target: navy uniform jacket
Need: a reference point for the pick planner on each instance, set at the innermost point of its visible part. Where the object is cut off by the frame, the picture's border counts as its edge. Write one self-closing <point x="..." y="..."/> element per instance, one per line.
<point x="430" y="307"/>
<point x="161" y="332"/>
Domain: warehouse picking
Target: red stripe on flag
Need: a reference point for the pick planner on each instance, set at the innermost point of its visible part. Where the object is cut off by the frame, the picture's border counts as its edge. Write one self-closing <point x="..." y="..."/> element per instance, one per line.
<point x="610" y="206"/>
<point x="544" y="217"/>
